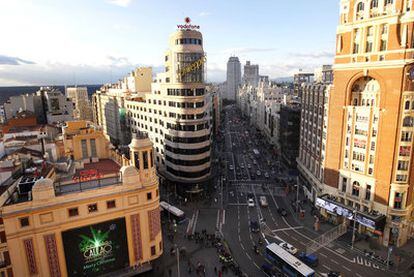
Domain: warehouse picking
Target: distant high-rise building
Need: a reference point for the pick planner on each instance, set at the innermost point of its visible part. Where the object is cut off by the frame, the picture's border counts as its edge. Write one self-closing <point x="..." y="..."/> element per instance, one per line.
<point x="233" y="78"/>
<point x="82" y="106"/>
<point x="299" y="79"/>
<point x="251" y="74"/>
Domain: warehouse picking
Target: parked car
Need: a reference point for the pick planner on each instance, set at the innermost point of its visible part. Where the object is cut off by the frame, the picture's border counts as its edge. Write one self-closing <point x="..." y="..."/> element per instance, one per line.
<point x="250" y="202"/>
<point x="282" y="212"/>
<point x="266" y="175"/>
<point x="263" y="201"/>
<point x="242" y="165"/>
<point x="309" y="259"/>
<point x="249" y="166"/>
<point x="288" y="247"/>
<point x="231" y="167"/>
<point x="258" y="173"/>
<point x="254" y="226"/>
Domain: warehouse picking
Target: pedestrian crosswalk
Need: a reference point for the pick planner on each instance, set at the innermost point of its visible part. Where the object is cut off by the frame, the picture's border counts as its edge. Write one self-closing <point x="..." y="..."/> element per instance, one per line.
<point x="365" y="262"/>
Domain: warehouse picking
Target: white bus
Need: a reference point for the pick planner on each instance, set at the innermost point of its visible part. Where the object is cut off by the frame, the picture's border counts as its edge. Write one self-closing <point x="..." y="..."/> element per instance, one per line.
<point x="173" y="212"/>
<point x="287" y="263"/>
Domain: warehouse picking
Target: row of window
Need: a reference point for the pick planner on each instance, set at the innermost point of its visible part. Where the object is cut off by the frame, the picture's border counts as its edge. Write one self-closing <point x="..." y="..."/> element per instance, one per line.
<point x="408" y="105"/>
<point x="185" y="92"/>
<point x="195" y="41"/>
<point x="187" y="151"/>
<point x="187" y="128"/>
<point x="186" y="174"/>
<point x="187" y="139"/>
<point x="188" y="162"/>
<point x="186" y="105"/>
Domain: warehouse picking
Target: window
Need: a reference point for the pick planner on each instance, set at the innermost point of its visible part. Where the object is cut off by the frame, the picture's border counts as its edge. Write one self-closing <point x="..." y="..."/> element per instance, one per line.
<point x="401" y="178"/>
<point x="406" y="136"/>
<point x="388" y="2"/>
<point x="403" y="165"/>
<point x="408" y="121"/>
<point x="368" y="47"/>
<point x="110" y="204"/>
<point x="145" y="159"/>
<point x="149" y="196"/>
<point x="405" y="151"/>
<point x="344" y="181"/>
<point x="157" y="193"/>
<point x="151" y="159"/>
<point x="136" y="159"/>
<point x="93" y="148"/>
<point x="374" y="4"/>
<point x="355" y="188"/>
<point x="153" y="252"/>
<point x="24" y="221"/>
<point x="407" y="105"/>
<point x="73" y="212"/>
<point x="368" y="193"/>
<point x="360" y="7"/>
<point x="398" y="200"/>
<point x="84" y="149"/>
<point x="3" y="237"/>
<point x="92" y="208"/>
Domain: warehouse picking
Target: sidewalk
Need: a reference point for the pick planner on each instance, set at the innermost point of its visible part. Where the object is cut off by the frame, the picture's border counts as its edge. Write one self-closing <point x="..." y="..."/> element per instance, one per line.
<point x="406" y="253"/>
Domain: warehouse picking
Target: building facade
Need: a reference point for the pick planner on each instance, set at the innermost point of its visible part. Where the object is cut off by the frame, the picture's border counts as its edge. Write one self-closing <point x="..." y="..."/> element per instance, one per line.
<point x="98" y="226"/>
<point x="82" y="106"/>
<point x="251" y="74"/>
<point x="233" y="78"/>
<point x="176" y="113"/>
<point x="299" y="79"/>
<point x="313" y="128"/>
<point x="82" y="140"/>
<point x="369" y="153"/>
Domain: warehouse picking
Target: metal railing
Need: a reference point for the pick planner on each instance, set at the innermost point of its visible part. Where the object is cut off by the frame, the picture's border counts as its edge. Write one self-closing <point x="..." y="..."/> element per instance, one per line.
<point x="326" y="238"/>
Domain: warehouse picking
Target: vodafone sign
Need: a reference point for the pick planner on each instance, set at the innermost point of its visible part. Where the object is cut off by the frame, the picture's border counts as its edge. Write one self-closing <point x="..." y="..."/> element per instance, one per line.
<point x="188" y="25"/>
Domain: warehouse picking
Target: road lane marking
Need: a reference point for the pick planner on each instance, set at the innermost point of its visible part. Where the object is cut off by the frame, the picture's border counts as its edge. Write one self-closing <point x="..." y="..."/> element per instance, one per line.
<point x="287" y="229"/>
<point x="359" y="275"/>
<point x="334" y="261"/>
<point x="323" y="255"/>
<point x="257" y="265"/>
<point x="242" y="246"/>
<point x="359" y="260"/>
<point x="248" y="256"/>
<point x="346" y="268"/>
<point x="326" y="267"/>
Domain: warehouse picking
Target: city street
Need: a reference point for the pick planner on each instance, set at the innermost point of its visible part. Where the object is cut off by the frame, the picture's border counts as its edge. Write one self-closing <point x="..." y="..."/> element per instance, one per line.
<point x="251" y="169"/>
<point x="249" y="160"/>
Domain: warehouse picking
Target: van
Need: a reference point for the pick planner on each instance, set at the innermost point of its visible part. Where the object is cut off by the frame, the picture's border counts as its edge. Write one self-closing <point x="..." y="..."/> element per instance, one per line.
<point x="309" y="259"/>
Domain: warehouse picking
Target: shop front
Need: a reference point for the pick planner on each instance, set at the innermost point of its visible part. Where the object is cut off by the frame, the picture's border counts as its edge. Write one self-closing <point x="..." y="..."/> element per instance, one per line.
<point x="371" y="224"/>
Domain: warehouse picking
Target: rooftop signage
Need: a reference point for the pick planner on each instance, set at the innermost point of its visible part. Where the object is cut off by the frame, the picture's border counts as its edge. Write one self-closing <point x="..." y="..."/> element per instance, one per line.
<point x="188" y="25"/>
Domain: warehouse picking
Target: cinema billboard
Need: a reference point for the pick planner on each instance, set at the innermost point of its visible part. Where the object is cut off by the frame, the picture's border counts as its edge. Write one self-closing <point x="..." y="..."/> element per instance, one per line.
<point x="96" y="249"/>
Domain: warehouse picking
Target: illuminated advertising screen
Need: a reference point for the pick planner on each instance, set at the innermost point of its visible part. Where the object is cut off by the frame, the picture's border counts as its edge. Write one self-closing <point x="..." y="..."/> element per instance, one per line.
<point x="96" y="249"/>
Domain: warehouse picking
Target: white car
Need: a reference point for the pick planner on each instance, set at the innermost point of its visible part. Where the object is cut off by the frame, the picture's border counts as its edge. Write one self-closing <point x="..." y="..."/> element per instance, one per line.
<point x="250" y="203"/>
<point x="288" y="247"/>
<point x="263" y="201"/>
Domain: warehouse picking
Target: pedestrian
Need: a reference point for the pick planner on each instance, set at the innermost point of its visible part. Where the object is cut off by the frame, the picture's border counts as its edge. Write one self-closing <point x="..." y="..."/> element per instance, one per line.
<point x="219" y="273"/>
<point x="169" y="272"/>
<point x="215" y="270"/>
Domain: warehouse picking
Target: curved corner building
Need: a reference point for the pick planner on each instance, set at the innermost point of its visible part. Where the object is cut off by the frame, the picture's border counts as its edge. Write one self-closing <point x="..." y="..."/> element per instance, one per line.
<point x="176" y="114"/>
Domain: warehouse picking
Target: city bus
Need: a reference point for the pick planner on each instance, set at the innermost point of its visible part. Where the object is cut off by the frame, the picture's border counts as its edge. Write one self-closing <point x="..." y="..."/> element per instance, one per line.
<point x="173" y="213"/>
<point x="287" y="263"/>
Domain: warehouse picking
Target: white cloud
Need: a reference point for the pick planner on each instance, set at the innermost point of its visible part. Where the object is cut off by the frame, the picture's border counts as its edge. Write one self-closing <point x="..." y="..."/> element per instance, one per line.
<point x="121" y="3"/>
<point x="244" y="50"/>
<point x="204" y="13"/>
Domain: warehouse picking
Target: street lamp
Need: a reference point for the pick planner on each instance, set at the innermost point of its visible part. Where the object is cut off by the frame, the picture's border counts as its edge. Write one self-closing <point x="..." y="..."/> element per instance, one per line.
<point x="353" y="231"/>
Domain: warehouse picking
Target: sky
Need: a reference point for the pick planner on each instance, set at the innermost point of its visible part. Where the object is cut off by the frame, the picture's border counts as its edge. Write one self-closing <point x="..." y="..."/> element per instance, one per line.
<point x="64" y="42"/>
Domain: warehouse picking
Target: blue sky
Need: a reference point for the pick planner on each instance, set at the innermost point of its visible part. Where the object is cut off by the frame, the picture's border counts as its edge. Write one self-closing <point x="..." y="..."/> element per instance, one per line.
<point x="96" y="41"/>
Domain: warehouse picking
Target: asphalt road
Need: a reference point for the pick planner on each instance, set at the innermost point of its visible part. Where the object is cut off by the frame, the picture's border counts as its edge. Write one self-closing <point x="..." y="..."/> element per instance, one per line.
<point x="244" y="173"/>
